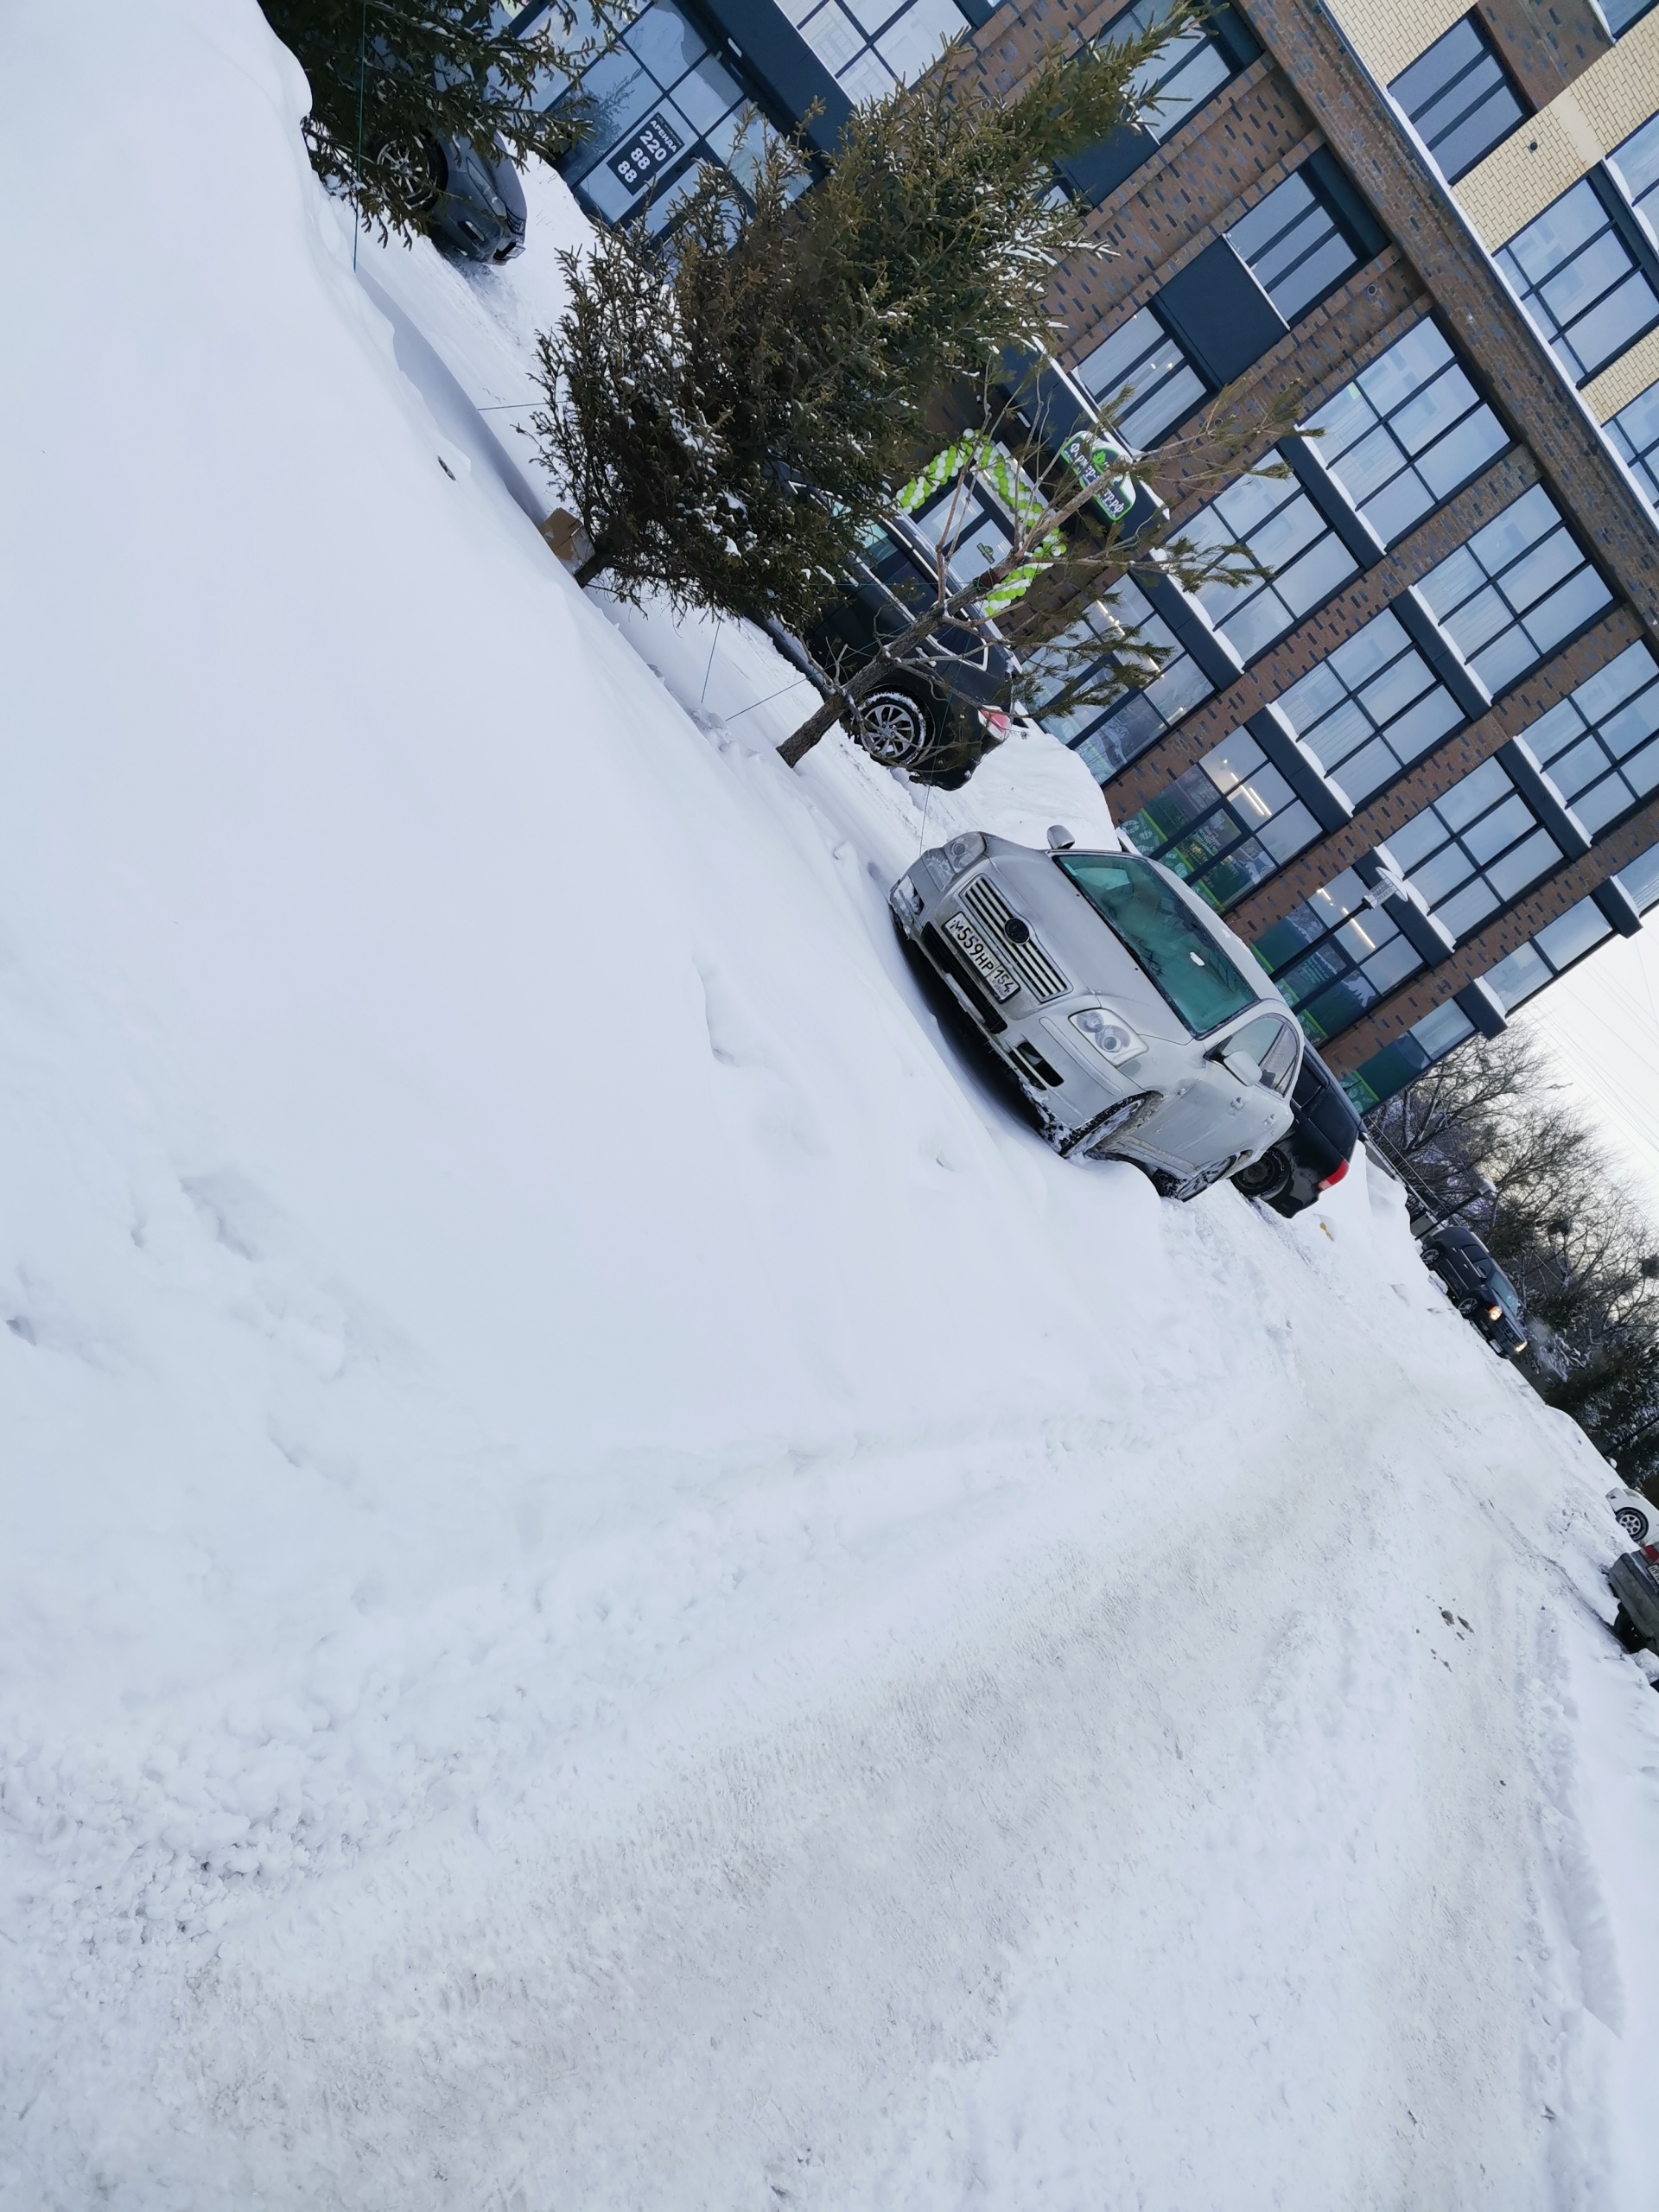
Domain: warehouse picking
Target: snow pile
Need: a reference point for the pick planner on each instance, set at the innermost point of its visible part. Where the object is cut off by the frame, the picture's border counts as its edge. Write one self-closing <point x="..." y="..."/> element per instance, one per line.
<point x="616" y="1591"/>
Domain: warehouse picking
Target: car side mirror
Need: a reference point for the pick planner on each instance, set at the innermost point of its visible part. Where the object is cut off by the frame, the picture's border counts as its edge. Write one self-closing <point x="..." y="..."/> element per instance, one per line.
<point x="1060" y="839"/>
<point x="1243" y="1069"/>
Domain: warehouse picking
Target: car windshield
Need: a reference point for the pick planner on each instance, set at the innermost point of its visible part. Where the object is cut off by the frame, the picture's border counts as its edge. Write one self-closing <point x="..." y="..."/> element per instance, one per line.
<point x="1141" y="906"/>
<point x="1504" y="1292"/>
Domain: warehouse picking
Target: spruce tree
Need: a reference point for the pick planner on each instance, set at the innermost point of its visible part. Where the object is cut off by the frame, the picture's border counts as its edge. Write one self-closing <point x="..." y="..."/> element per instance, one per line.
<point x="390" y="77"/>
<point x="732" y="414"/>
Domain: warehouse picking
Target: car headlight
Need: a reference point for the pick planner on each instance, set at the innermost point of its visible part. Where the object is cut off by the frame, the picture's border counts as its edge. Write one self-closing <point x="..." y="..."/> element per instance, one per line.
<point x="905" y="897"/>
<point x="962" y="852"/>
<point x="1109" y="1034"/>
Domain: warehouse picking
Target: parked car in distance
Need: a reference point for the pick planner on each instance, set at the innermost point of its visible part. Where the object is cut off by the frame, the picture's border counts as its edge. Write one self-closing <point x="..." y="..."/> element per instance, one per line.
<point x="1634" y="1584"/>
<point x="1315" y="1155"/>
<point x="1134" y="1023"/>
<point x="1477" y="1286"/>
<point x="939" y="711"/>
<point x="473" y="200"/>
<point x="1636" y="1515"/>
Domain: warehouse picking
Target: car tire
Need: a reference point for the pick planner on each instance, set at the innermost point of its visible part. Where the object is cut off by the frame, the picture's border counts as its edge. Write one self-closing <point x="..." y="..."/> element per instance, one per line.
<point x="1185" y="1188"/>
<point x="1265" y="1178"/>
<point x="1628" y="1634"/>
<point x="896" y="724"/>
<point x="419" y="180"/>
<point x="1633" y="1521"/>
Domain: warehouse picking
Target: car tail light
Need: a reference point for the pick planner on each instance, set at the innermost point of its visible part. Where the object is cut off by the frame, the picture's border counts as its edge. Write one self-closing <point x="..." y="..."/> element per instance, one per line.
<point x="1335" y="1176"/>
<point x="1650" y="1551"/>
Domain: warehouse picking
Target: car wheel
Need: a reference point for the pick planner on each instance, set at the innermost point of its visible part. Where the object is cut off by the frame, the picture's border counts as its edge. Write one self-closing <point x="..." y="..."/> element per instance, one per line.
<point x="1094" y="1140"/>
<point x="1627" y="1631"/>
<point x="1265" y="1178"/>
<point x="419" y="177"/>
<point x="1633" y="1523"/>
<point x="893" y="725"/>
<point x="1185" y="1188"/>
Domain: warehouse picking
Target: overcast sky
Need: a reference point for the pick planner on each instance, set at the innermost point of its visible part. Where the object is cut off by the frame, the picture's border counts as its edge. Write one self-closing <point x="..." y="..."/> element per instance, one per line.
<point x="1604" y="1021"/>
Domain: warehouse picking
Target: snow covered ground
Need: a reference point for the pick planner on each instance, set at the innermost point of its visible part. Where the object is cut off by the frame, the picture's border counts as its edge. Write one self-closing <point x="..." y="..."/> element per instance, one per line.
<point x="617" y="1591"/>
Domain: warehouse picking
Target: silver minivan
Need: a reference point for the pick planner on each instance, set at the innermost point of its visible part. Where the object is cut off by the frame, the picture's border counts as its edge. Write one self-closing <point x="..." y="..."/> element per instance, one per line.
<point x="1136" y="1023"/>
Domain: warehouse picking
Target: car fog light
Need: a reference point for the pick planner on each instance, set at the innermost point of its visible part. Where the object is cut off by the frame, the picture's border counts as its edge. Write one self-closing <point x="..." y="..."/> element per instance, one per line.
<point x="1109" y="1034"/>
<point x="962" y="852"/>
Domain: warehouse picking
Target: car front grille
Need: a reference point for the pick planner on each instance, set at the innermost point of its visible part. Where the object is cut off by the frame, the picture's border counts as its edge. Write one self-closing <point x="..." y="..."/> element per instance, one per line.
<point x="1029" y="962"/>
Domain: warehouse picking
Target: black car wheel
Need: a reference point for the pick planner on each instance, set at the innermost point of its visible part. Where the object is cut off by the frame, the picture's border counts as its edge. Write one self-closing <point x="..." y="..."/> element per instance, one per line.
<point x="1627" y="1631"/>
<point x="893" y="725"/>
<point x="1633" y="1521"/>
<point x="1265" y="1178"/>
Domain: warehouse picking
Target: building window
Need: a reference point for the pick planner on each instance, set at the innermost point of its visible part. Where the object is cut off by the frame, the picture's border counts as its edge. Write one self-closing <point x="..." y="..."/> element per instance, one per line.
<point x="1621" y="14"/>
<point x="1600" y="744"/>
<point x="1458" y="98"/>
<point x="1567" y="940"/>
<point x="868" y="46"/>
<point x="1640" y="880"/>
<point x="1407" y="433"/>
<point x="1474" y="850"/>
<point x="1579" y="282"/>
<point x="1185" y="74"/>
<point x="660" y="105"/>
<point x="1335" y="955"/>
<point x="1293" y="244"/>
<point x="1109" y="738"/>
<point x="1515" y="591"/>
<point x="1636" y="164"/>
<point x="1635" y="433"/>
<point x="1275" y="523"/>
<point x="1370" y="709"/>
<point x="1226" y="824"/>
<point x="1403" y="1062"/>
<point x="1143" y="360"/>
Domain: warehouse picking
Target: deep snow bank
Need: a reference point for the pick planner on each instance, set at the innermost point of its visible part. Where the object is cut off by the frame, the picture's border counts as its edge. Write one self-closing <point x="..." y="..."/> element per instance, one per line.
<point x="617" y="1591"/>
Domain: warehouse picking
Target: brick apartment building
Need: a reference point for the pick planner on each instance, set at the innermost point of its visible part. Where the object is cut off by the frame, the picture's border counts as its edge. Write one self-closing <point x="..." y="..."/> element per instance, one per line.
<point x="1419" y="769"/>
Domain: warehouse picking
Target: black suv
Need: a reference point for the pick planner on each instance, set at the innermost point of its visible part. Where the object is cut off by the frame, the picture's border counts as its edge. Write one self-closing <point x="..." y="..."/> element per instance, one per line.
<point x="1477" y="1287"/>
<point x="1290" y="1175"/>
<point x="939" y="713"/>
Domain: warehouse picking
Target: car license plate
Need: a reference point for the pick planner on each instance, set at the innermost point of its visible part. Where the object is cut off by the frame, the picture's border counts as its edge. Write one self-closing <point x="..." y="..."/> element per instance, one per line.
<point x="968" y="941"/>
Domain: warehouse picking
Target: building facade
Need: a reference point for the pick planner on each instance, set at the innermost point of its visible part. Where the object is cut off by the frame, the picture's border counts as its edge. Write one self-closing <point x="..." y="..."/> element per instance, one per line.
<point x="1418" y="767"/>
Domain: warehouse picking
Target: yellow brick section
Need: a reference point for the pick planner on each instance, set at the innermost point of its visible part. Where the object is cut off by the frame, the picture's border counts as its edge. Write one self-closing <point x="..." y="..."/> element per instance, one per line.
<point x="1536" y="163"/>
<point x="1618" y="386"/>
<point x="1387" y="34"/>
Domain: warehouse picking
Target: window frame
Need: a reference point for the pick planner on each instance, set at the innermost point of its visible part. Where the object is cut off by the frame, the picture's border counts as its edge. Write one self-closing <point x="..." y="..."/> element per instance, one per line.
<point x="1385" y="423"/>
<point x="1139" y="400"/>
<point x="1589" y="734"/>
<point x="1619" y="221"/>
<point x="1225" y="605"/>
<point x="1458" y="836"/>
<point x="1323" y="178"/>
<point x="1355" y="910"/>
<point x="1507" y="81"/>
<point x="1493" y="581"/>
<point x="1230" y="802"/>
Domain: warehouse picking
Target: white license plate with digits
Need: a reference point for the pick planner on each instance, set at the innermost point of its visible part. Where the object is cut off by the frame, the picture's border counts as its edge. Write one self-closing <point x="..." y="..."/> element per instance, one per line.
<point x="968" y="941"/>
